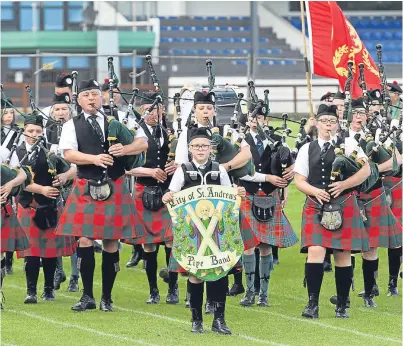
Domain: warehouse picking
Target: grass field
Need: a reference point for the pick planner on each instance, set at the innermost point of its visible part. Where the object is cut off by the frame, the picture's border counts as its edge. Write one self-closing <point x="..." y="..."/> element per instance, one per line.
<point x="135" y="322"/>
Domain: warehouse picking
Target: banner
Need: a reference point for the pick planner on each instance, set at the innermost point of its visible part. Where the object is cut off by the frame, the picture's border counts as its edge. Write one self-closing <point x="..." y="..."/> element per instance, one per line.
<point x="334" y="42"/>
<point x="205" y="225"/>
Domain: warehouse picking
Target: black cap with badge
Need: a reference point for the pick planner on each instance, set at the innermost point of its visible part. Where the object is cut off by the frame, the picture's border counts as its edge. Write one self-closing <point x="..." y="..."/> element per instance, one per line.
<point x="64" y="80"/>
<point x="204" y="98"/>
<point x="394" y="87"/>
<point x="375" y="96"/>
<point x="326" y="110"/>
<point x="339" y="96"/>
<point x="61" y="98"/>
<point x="88" y="85"/>
<point x="200" y="132"/>
<point x="357" y="103"/>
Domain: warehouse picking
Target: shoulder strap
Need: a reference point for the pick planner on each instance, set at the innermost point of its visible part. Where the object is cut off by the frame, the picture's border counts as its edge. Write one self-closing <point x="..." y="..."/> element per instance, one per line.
<point x="189" y="170"/>
<point x="215" y="169"/>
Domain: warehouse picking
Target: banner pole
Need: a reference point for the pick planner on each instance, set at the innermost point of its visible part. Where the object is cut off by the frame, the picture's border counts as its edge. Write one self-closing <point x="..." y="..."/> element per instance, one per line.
<point x="307" y="73"/>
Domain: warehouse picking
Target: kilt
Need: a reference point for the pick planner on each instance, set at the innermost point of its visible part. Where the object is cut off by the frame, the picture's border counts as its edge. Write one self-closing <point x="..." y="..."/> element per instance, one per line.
<point x="110" y="219"/>
<point x="43" y="243"/>
<point x="13" y="237"/>
<point x="249" y="239"/>
<point x="352" y="236"/>
<point x="394" y="184"/>
<point x="381" y="225"/>
<point x="156" y="223"/>
<point x="278" y="231"/>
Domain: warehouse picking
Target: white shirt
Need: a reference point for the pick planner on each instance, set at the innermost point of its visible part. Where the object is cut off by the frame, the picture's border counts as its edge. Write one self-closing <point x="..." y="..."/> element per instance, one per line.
<point x="14" y="162"/>
<point x="302" y="161"/>
<point x="9" y="134"/>
<point x="182" y="149"/>
<point x="178" y="179"/>
<point x="131" y="123"/>
<point x="4" y="152"/>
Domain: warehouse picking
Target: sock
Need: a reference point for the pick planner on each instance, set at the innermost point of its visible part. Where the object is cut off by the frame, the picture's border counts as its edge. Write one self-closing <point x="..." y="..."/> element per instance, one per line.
<point x="110" y="268"/>
<point x="151" y="268"/>
<point x="314" y="277"/>
<point x="3" y="270"/>
<point x="209" y="290"/>
<point x="9" y="258"/>
<point x="167" y="254"/>
<point x="219" y="289"/>
<point x="73" y="263"/>
<point x="257" y="270"/>
<point x="59" y="263"/>
<point x="274" y="251"/>
<point x="266" y="266"/>
<point x="343" y="282"/>
<point x="32" y="267"/>
<point x="196" y="300"/>
<point x="86" y="264"/>
<point x="327" y="256"/>
<point x="394" y="264"/>
<point x="368" y="270"/>
<point x="173" y="280"/>
<point x="238" y="277"/>
<point x="49" y="268"/>
<point x="249" y="264"/>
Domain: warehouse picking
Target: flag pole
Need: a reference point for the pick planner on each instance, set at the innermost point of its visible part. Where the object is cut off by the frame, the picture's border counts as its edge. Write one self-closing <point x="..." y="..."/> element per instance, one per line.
<point x="307" y="73"/>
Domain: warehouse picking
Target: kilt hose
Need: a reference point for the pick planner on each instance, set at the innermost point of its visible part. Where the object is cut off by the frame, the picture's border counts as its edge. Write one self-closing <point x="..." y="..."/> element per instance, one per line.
<point x="13" y="237"/>
<point x="111" y="219"/>
<point x="43" y="243"/>
<point x="278" y="231"/>
<point x="381" y="225"/>
<point x="157" y="224"/>
<point x="394" y="186"/>
<point x="351" y="236"/>
<point x="249" y="239"/>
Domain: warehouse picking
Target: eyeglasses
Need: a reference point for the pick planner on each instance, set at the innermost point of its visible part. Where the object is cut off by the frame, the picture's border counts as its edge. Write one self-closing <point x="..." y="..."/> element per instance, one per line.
<point x="200" y="147"/>
<point x="361" y="114"/>
<point x="328" y="121"/>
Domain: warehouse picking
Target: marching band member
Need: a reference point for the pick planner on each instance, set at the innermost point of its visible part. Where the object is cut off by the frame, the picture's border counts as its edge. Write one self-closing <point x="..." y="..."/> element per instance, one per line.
<point x="316" y="236"/>
<point x="395" y="91"/>
<point x="63" y="85"/>
<point x="37" y="212"/>
<point x="99" y="207"/>
<point x="151" y="181"/>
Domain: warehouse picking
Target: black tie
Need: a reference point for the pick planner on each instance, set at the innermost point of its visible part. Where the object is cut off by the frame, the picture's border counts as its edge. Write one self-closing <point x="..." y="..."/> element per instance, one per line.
<point x="324" y="149"/>
<point x="96" y="127"/>
<point x="259" y="145"/>
<point x="157" y="140"/>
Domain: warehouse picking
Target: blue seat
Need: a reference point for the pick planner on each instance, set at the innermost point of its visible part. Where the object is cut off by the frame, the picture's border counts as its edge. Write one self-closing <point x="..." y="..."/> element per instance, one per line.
<point x="227" y="51"/>
<point x="197" y="17"/>
<point x="214" y="51"/>
<point x="397" y="35"/>
<point x="365" y="35"/>
<point x="396" y="24"/>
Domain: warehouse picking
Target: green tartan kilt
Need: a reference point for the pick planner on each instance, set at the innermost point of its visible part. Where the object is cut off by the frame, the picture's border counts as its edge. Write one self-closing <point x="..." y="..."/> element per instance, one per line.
<point x="350" y="237"/>
<point x="381" y="225"/>
<point x="13" y="237"/>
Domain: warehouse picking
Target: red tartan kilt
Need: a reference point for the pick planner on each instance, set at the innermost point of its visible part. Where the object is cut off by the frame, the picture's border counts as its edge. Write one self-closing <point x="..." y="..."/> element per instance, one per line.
<point x="278" y="231"/>
<point x="111" y="219"/>
<point x="43" y="243"/>
<point x="397" y="191"/>
<point x="350" y="237"/>
<point x="157" y="224"/>
<point x="381" y="225"/>
<point x="13" y="237"/>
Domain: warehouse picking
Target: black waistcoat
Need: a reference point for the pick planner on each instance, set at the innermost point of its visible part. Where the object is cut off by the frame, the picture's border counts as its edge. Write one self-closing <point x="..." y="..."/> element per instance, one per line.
<point x="41" y="177"/>
<point x="155" y="158"/>
<point x="89" y="143"/>
<point x="51" y="132"/>
<point x="320" y="168"/>
<point x="190" y="183"/>
<point x="262" y="165"/>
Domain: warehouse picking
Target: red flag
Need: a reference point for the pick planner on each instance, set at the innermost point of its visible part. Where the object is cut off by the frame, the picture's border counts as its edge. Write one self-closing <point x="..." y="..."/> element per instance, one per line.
<point x="334" y="42"/>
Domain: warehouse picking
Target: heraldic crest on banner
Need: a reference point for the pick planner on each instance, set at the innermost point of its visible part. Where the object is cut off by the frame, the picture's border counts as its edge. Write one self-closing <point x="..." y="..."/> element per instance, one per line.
<point x="205" y="225"/>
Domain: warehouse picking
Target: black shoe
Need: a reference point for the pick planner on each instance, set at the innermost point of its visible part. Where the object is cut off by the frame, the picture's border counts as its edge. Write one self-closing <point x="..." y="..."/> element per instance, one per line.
<point x="197" y="327"/>
<point x="209" y="307"/>
<point x="276" y="261"/>
<point x="312" y="308"/>
<point x="263" y="300"/>
<point x="73" y="284"/>
<point x="154" y="297"/>
<point x="248" y="299"/>
<point x="173" y="295"/>
<point x="106" y="305"/>
<point x="333" y="300"/>
<point x="327" y="267"/>
<point x="369" y="301"/>
<point x="187" y="301"/>
<point x="134" y="260"/>
<point x="48" y="294"/>
<point x="392" y="288"/>
<point x="85" y="303"/>
<point x="31" y="298"/>
<point x="341" y="307"/>
<point x="375" y="291"/>
<point x="60" y="276"/>
<point x="97" y="247"/>
<point x="164" y="274"/>
<point x="220" y="327"/>
<point x="9" y="269"/>
<point x="236" y="289"/>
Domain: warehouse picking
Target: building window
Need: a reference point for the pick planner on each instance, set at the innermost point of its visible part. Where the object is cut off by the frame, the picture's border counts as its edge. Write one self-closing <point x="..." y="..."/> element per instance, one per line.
<point x="75" y="15"/>
<point x="53" y="19"/>
<point x="26" y="19"/>
<point x="50" y="59"/>
<point x="19" y="63"/>
<point x="127" y="62"/>
<point x="78" y="62"/>
<point x="7" y="11"/>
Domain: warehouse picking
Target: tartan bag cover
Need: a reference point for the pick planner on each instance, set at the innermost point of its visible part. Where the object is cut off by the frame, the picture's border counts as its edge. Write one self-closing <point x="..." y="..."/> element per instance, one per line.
<point x="110" y="219"/>
<point x="13" y="237"/>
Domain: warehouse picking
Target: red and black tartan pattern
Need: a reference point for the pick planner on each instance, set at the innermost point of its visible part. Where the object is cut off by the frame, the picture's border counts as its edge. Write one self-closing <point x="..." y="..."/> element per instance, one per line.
<point x="351" y="236"/>
<point x="396" y="186"/>
<point x="381" y="225"/>
<point x="110" y="219"/>
<point x="13" y="237"/>
<point x="249" y="239"/>
<point x="157" y="223"/>
<point x="278" y="231"/>
<point x="43" y="243"/>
